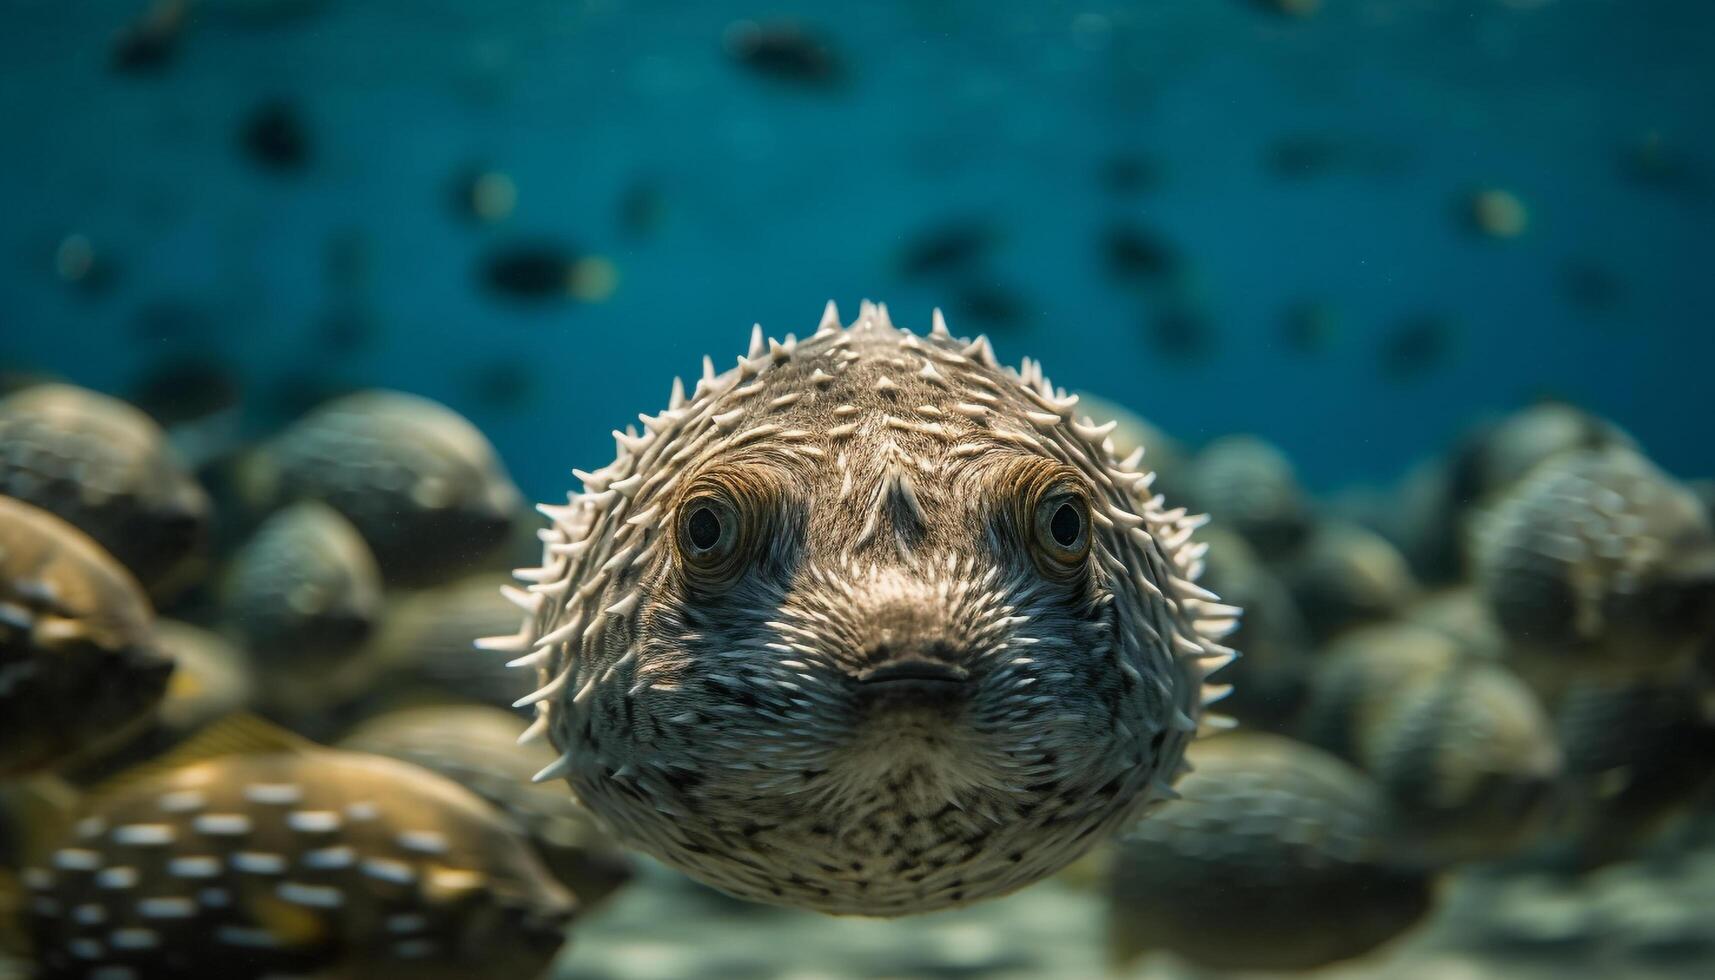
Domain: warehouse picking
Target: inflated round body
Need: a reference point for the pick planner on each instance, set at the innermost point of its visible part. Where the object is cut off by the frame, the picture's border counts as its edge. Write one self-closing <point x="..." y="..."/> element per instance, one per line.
<point x="1249" y="485"/>
<point x="869" y="624"/>
<point x="304" y="590"/>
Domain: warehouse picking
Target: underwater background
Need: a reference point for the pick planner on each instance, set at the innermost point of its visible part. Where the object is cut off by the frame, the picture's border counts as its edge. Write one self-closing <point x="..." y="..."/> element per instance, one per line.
<point x="1367" y="232"/>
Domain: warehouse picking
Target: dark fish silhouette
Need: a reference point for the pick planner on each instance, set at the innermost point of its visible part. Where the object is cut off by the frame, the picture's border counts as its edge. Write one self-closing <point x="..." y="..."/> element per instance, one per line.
<point x="785" y="52"/>
<point x="149" y="44"/>
<point x="1415" y="347"/>
<point x="533" y="271"/>
<point x="276" y="137"/>
<point x="1138" y="257"/>
<point x="954" y="246"/>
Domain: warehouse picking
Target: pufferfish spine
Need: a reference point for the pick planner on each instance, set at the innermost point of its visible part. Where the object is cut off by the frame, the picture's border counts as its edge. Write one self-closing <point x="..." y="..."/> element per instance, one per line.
<point x="734" y="767"/>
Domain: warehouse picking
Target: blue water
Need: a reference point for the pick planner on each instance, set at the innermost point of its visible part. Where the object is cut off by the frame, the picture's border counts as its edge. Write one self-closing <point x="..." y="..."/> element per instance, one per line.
<point x="776" y="198"/>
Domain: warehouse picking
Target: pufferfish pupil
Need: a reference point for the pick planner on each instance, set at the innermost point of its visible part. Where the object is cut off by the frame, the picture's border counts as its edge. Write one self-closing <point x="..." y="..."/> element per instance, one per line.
<point x="869" y="624"/>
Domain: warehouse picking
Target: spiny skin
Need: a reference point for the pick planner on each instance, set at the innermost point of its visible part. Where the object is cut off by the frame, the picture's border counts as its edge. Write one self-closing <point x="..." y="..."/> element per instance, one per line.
<point x="79" y="662"/>
<point x="1279" y="857"/>
<point x="304" y="589"/>
<point x="1271" y="680"/>
<point x="730" y="719"/>
<point x="107" y="469"/>
<point x="477" y="747"/>
<point x="332" y="863"/>
<point x="1598" y="561"/>
<point x="419" y="481"/>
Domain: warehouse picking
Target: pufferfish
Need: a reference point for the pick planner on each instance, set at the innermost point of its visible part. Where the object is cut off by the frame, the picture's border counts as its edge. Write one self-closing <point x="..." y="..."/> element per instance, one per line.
<point x="869" y="624"/>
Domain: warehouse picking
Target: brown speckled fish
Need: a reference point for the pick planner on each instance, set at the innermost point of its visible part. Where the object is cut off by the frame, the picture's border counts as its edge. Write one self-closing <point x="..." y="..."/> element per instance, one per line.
<point x="477" y="747"/>
<point x="1279" y="857"/>
<point x="106" y="468"/>
<point x="303" y="860"/>
<point x="423" y="486"/>
<point x="80" y="667"/>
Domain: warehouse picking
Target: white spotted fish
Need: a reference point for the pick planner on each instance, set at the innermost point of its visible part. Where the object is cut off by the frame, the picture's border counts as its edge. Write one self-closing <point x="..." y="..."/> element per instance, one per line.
<point x="1279" y="857"/>
<point x="477" y="747"/>
<point x="80" y="666"/>
<point x="869" y="624"/>
<point x="303" y="860"/>
<point x="107" y="469"/>
<point x="423" y="485"/>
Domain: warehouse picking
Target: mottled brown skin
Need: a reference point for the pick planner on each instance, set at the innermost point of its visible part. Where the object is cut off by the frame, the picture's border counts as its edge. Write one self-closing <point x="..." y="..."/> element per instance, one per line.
<point x="869" y="625"/>
<point x="1279" y="857"/>
<point x="333" y="863"/>
<point x="477" y="747"/>
<point x="107" y="469"/>
<point x="80" y="667"/>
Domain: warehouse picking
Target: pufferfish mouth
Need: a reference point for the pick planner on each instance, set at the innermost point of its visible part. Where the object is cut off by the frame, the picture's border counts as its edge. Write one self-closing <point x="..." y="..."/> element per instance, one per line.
<point x="913" y="680"/>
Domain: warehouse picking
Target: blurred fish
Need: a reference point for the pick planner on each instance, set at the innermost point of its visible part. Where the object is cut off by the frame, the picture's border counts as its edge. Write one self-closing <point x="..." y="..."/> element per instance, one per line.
<point x="80" y="666"/>
<point x="1129" y="174"/>
<point x="1463" y="749"/>
<point x="81" y="265"/>
<point x="302" y="860"/>
<point x="1463" y="614"/>
<point x="1598" y="561"/>
<point x="1343" y="574"/>
<point x="508" y="384"/>
<point x="1137" y="257"/>
<point x="1658" y="163"/>
<point x="1439" y="499"/>
<point x="483" y="195"/>
<point x="954" y="246"/>
<point x="541" y="271"/>
<point x="1494" y="212"/>
<point x="786" y="52"/>
<point x="1290" y="8"/>
<point x="642" y="208"/>
<point x="995" y="305"/>
<point x="1278" y="858"/>
<point x="1415" y="347"/>
<point x="105" y="467"/>
<point x="477" y="747"/>
<point x="1271" y="677"/>
<point x="421" y="483"/>
<point x="304" y="591"/>
<point x="1309" y="327"/>
<point x="1181" y="330"/>
<point x="212" y="680"/>
<point x="426" y="648"/>
<point x="1251" y="487"/>
<point x="275" y="136"/>
<point x="187" y="389"/>
<point x="149" y="44"/>
<point x="1590" y="286"/>
<point x="1637" y="756"/>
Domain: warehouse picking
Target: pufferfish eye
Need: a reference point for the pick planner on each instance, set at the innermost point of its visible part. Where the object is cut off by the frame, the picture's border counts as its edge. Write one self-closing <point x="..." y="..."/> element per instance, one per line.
<point x="710" y="534"/>
<point x="1062" y="530"/>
